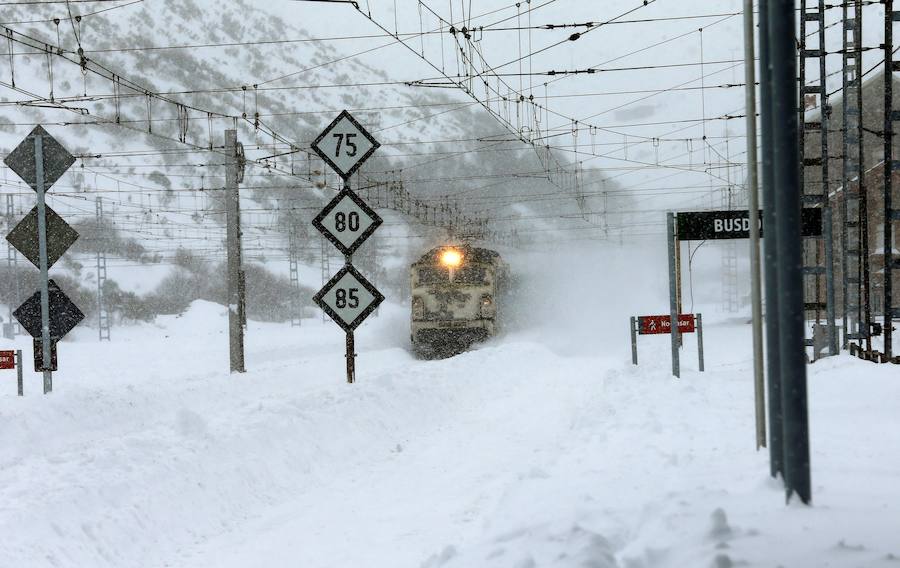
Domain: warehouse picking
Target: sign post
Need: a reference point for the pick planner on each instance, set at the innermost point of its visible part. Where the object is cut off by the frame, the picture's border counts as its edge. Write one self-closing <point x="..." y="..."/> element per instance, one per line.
<point x="700" y="339"/>
<point x="673" y="293"/>
<point x="19" y="372"/>
<point x="40" y="161"/>
<point x="634" y="360"/>
<point x="736" y="224"/>
<point x="347" y="221"/>
<point x="662" y="324"/>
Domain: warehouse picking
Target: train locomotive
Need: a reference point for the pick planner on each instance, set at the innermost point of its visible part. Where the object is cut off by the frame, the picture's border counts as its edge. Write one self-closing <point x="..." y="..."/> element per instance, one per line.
<point x="457" y="297"/>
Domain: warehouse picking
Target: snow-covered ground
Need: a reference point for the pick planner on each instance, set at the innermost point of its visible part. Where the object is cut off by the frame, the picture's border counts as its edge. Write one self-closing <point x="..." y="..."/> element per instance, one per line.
<point x="545" y="447"/>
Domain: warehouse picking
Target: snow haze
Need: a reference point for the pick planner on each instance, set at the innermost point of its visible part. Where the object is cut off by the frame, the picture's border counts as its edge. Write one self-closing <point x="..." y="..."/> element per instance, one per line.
<point x="542" y="446"/>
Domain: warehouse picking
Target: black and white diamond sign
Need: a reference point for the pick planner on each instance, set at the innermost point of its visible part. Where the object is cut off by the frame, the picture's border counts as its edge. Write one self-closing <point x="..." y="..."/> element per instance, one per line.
<point x="64" y="315"/>
<point x="345" y="145"/>
<point x="56" y="159"/>
<point x="60" y="236"/>
<point x="348" y="298"/>
<point x="347" y="221"/>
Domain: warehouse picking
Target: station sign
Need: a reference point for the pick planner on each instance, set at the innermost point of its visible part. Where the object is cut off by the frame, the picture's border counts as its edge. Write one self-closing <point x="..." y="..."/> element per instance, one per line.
<point x="717" y="225"/>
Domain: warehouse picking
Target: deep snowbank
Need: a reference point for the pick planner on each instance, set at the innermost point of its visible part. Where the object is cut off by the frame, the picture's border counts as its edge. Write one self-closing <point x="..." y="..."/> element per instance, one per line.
<point x="542" y="448"/>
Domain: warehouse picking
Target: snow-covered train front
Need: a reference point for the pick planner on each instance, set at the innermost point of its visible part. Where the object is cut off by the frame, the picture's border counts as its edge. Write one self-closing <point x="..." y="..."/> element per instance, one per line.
<point x="457" y="296"/>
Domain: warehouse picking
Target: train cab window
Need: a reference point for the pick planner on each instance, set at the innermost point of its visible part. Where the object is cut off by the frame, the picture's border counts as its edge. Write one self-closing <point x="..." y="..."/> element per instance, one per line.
<point x="471" y="275"/>
<point x="432" y="275"/>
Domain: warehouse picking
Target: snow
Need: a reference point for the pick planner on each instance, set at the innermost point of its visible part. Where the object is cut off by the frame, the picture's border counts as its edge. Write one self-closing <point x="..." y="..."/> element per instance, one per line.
<point x="544" y="447"/>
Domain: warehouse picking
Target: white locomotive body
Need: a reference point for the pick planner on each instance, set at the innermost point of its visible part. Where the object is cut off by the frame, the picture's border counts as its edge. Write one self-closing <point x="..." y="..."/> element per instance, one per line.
<point x="457" y="292"/>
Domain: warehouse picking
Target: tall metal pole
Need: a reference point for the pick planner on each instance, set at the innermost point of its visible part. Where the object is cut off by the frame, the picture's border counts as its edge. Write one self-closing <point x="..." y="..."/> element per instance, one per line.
<point x="673" y="294"/>
<point x="351" y="347"/>
<point x="19" y="370"/>
<point x="634" y="357"/>
<point x="753" y="195"/>
<point x="233" y="238"/>
<point x="889" y="167"/>
<point x="770" y="245"/>
<point x="782" y="42"/>
<point x="42" y="252"/>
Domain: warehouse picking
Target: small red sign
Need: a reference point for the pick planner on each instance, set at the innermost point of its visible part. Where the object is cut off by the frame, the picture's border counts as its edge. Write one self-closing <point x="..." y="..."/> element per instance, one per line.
<point x="650" y="325"/>
<point x="7" y="359"/>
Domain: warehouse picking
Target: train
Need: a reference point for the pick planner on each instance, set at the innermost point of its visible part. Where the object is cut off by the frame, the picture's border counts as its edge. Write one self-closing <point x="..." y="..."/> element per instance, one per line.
<point x="458" y="296"/>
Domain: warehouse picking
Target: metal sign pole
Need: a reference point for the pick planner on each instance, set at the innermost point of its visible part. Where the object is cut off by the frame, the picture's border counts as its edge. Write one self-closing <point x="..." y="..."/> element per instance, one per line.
<point x="753" y="206"/>
<point x="770" y="247"/>
<point x="351" y="359"/>
<point x="351" y="348"/>
<point x="699" y="319"/>
<point x="782" y="40"/>
<point x="634" y="359"/>
<point x="673" y="296"/>
<point x="21" y="382"/>
<point x="42" y="252"/>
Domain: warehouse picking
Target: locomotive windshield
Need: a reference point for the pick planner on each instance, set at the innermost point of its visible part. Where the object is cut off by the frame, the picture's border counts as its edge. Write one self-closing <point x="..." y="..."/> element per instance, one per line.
<point x="471" y="275"/>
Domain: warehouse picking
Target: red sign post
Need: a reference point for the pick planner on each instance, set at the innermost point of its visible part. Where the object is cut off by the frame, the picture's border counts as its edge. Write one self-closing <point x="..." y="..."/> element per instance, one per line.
<point x="656" y="325"/>
<point x="651" y="325"/>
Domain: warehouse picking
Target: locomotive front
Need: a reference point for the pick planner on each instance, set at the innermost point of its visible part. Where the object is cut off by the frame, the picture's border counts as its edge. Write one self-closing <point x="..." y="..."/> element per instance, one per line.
<point x="455" y="296"/>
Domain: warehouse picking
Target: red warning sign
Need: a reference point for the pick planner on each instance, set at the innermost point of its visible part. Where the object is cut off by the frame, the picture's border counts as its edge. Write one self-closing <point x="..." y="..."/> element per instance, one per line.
<point x="7" y="359"/>
<point x="651" y="325"/>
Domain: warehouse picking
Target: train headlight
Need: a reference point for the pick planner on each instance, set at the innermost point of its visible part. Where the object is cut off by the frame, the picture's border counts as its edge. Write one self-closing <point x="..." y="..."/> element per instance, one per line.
<point x="488" y="309"/>
<point x="418" y="307"/>
<point x="451" y="258"/>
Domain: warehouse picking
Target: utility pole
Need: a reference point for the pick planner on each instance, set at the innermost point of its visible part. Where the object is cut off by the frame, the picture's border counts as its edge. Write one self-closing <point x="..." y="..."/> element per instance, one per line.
<point x="233" y="170"/>
<point x="789" y="261"/>
<point x="753" y="206"/>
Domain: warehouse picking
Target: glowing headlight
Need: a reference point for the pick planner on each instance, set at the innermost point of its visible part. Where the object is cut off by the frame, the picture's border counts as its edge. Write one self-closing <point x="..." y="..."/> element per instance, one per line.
<point x="451" y="258"/>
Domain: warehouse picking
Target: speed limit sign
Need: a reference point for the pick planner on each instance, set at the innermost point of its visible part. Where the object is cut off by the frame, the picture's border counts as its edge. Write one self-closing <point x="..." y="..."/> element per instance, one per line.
<point x="348" y="298"/>
<point x="345" y="145"/>
<point x="347" y="221"/>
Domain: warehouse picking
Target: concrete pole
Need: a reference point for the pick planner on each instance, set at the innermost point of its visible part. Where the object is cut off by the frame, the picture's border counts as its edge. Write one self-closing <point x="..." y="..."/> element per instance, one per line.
<point x="753" y="192"/>
<point x="233" y="238"/>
